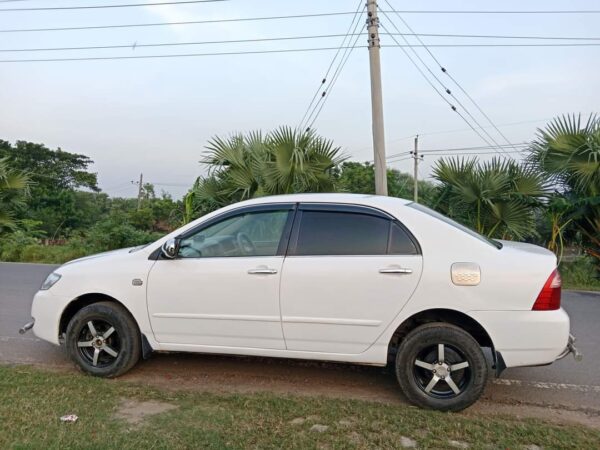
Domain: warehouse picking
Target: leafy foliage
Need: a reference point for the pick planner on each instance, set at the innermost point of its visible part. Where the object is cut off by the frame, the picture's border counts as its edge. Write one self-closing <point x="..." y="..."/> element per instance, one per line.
<point x="253" y="165"/>
<point x="496" y="198"/>
<point x="568" y="151"/>
<point x="56" y="177"/>
<point x="14" y="187"/>
<point x="359" y="178"/>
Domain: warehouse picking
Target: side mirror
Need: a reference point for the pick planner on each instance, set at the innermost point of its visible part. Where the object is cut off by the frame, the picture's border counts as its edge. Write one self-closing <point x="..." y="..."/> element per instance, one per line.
<point x="170" y="249"/>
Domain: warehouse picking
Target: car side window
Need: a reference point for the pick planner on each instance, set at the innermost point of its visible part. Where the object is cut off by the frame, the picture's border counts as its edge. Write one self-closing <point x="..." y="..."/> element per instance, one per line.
<point x="250" y="234"/>
<point x="341" y="233"/>
<point x="400" y="241"/>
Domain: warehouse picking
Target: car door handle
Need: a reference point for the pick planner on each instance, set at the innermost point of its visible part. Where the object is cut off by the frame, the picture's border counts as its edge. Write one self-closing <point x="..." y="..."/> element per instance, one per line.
<point x="262" y="271"/>
<point x="393" y="270"/>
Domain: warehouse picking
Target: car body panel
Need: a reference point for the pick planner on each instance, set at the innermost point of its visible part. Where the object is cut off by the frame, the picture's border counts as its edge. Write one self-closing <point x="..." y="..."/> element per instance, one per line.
<point x="216" y="302"/>
<point x="511" y="279"/>
<point x="341" y="304"/>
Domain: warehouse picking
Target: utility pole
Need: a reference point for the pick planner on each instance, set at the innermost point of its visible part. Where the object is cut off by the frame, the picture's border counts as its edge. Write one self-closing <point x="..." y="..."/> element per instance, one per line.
<point x="417" y="158"/>
<point x="140" y="190"/>
<point x="376" y="99"/>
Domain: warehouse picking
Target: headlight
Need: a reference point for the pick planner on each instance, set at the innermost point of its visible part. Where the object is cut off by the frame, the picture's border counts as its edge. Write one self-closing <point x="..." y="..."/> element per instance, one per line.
<point x="50" y="281"/>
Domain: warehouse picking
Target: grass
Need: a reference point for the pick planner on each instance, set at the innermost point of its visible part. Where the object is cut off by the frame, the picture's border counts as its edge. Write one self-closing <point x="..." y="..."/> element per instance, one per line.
<point x="579" y="274"/>
<point x="32" y="400"/>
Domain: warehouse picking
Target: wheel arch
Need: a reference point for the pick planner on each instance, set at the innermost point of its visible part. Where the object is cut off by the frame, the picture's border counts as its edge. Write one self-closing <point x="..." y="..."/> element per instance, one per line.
<point x="95" y="297"/>
<point x="451" y="316"/>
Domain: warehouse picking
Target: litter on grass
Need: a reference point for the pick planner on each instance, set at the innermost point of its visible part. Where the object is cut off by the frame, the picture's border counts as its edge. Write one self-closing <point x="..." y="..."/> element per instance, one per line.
<point x="71" y="418"/>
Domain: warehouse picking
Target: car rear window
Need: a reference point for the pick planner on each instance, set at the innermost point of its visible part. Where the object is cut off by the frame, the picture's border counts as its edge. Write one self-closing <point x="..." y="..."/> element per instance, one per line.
<point x="341" y="233"/>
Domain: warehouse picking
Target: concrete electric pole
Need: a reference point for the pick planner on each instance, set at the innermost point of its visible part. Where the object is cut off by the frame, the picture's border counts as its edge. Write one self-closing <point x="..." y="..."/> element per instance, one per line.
<point x="140" y="190"/>
<point x="417" y="158"/>
<point x="376" y="99"/>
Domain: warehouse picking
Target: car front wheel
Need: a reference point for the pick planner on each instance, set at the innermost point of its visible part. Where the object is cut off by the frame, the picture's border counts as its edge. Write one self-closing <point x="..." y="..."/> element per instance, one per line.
<point x="103" y="340"/>
<point x="440" y="366"/>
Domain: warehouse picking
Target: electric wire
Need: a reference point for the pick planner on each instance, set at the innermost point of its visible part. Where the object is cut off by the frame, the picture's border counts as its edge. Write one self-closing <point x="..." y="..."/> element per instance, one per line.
<point x="503" y="36"/>
<point x="445" y="71"/>
<point x="123" y="5"/>
<point x="454" y="149"/>
<point x="136" y="45"/>
<point x="324" y="80"/>
<point x="187" y="55"/>
<point x="169" y="44"/>
<point x="435" y="88"/>
<point x="442" y="84"/>
<point x="178" y="55"/>
<point x="334" y="79"/>
<point x="189" y="22"/>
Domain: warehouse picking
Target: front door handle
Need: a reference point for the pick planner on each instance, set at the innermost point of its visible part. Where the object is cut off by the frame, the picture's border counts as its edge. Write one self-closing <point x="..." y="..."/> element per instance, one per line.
<point x="262" y="271"/>
<point x="397" y="270"/>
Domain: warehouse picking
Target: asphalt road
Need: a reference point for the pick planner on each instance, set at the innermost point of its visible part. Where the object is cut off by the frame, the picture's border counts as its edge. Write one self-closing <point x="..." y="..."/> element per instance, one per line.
<point x="566" y="385"/>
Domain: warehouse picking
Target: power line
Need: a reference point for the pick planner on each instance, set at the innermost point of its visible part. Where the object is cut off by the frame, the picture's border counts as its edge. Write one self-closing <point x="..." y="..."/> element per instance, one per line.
<point x="583" y="44"/>
<point x="475" y="130"/>
<point x="170" y="44"/>
<point x="179" y="55"/>
<point x="190" y="22"/>
<point x="443" y="69"/>
<point x="454" y="149"/>
<point x="439" y="11"/>
<point x="333" y="82"/>
<point x="186" y="55"/>
<point x="324" y="80"/>
<point x="125" y="5"/>
<point x="395" y="160"/>
<point x="472" y="154"/>
<point x="233" y="41"/>
<point x="432" y="133"/>
<point x="504" y="36"/>
<point x="312" y="118"/>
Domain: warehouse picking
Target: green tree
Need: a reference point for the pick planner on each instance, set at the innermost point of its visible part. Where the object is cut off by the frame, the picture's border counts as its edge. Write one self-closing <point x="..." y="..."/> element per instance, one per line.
<point x="57" y="176"/>
<point x="14" y="187"/>
<point x="359" y="178"/>
<point x="253" y="165"/>
<point x="497" y="198"/>
<point x="568" y="151"/>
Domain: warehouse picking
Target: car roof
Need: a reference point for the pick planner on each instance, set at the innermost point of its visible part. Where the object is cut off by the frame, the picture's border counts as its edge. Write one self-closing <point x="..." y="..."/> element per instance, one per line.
<point x="359" y="199"/>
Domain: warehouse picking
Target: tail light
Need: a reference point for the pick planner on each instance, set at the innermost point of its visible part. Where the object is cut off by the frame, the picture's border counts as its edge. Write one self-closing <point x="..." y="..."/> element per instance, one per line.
<point x="549" y="297"/>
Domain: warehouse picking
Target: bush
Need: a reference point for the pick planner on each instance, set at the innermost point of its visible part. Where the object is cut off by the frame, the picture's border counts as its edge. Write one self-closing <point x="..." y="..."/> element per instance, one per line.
<point x="579" y="274"/>
<point x="12" y="245"/>
<point x="104" y="236"/>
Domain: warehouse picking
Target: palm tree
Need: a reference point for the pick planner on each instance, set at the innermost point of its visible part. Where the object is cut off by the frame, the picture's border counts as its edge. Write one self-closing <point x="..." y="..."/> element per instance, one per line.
<point x="253" y="165"/>
<point x="14" y="186"/>
<point x="568" y="151"/>
<point x="497" y="198"/>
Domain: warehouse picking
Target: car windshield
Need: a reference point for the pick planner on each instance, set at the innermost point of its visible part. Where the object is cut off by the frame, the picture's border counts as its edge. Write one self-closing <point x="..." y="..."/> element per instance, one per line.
<point x="437" y="215"/>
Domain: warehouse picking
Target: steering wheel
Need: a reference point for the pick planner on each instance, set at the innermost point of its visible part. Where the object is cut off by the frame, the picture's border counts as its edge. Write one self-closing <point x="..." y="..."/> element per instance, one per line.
<point x="245" y="244"/>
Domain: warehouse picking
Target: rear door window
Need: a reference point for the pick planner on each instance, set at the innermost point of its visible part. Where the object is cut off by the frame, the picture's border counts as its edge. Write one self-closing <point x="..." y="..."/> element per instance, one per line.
<point x="341" y="233"/>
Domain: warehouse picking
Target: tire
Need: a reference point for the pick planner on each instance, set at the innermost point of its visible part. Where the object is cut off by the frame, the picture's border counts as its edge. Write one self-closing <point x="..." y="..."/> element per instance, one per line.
<point x="447" y="378"/>
<point x="110" y="346"/>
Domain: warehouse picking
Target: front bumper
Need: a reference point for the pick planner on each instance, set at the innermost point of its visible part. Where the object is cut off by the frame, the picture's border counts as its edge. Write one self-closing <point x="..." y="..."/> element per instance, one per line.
<point x="571" y="349"/>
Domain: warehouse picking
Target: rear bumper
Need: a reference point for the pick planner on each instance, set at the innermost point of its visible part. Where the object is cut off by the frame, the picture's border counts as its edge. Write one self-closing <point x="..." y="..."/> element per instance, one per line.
<point x="527" y="338"/>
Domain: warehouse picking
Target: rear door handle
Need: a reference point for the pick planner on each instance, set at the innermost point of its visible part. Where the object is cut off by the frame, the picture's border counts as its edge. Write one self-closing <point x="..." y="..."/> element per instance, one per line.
<point x="262" y="271"/>
<point x="396" y="270"/>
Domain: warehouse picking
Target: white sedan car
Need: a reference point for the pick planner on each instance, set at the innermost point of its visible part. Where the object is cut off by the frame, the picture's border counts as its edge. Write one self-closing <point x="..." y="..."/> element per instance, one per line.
<point x="337" y="277"/>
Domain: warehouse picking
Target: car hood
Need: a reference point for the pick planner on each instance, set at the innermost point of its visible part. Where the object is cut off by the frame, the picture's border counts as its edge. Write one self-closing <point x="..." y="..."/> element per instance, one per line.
<point x="103" y="255"/>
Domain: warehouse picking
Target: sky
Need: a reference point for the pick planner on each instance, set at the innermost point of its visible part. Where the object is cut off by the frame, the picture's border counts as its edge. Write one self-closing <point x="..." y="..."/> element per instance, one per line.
<point x="155" y="116"/>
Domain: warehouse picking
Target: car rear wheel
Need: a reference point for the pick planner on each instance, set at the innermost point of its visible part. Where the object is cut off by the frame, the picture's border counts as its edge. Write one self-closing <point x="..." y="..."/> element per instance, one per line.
<point x="103" y="340"/>
<point x="440" y="366"/>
